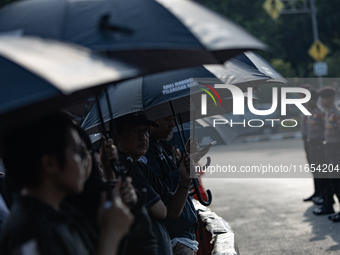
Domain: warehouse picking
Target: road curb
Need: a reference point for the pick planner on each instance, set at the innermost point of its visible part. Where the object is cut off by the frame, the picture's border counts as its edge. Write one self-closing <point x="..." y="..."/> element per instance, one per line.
<point x="215" y="234"/>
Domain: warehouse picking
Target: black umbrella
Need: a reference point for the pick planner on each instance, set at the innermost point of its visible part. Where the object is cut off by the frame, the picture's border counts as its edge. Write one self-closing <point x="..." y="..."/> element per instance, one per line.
<point x="156" y="91"/>
<point x="152" y="94"/>
<point x="251" y="61"/>
<point x="156" y="35"/>
<point x="205" y="132"/>
<point x="38" y="76"/>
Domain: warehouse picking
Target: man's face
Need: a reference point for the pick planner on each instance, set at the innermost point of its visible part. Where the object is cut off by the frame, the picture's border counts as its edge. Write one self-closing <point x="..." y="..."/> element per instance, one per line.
<point x="165" y="128"/>
<point x="327" y="101"/>
<point x="72" y="177"/>
<point x="134" y="140"/>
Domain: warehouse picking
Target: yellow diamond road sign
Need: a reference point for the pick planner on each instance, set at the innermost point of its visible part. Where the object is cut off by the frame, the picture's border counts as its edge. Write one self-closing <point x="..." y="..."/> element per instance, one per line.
<point x="273" y="8"/>
<point x="318" y="51"/>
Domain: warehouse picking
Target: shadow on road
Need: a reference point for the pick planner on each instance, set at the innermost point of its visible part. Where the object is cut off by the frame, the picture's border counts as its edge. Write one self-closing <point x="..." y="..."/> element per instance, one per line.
<point x="323" y="227"/>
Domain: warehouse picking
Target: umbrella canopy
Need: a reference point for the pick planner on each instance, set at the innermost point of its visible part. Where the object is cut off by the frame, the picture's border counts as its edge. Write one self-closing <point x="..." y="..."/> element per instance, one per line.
<point x="156" y="35"/>
<point x="194" y="112"/>
<point x="251" y="61"/>
<point x="205" y="133"/>
<point x="183" y="88"/>
<point x="38" y="76"/>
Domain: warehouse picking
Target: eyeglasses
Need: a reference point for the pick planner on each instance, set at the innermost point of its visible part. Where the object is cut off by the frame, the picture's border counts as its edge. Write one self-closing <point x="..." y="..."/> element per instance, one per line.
<point x="136" y="132"/>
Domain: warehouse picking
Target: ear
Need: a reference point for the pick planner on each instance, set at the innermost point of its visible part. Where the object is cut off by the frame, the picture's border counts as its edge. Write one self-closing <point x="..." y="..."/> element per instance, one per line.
<point x="49" y="164"/>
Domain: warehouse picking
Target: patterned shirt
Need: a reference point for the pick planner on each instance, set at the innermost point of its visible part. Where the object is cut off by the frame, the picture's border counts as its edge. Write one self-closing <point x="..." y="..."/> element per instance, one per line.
<point x="332" y="126"/>
<point x="315" y="124"/>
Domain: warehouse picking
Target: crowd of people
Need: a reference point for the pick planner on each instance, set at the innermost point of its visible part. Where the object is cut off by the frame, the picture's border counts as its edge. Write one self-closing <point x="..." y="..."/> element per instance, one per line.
<point x="60" y="195"/>
<point x="321" y="135"/>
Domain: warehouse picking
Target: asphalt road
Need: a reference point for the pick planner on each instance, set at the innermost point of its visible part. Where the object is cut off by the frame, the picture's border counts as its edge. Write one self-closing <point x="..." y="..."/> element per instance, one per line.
<point x="267" y="214"/>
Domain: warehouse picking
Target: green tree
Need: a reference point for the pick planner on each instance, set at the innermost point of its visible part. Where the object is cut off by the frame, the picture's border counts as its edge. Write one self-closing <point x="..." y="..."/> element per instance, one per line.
<point x="290" y="35"/>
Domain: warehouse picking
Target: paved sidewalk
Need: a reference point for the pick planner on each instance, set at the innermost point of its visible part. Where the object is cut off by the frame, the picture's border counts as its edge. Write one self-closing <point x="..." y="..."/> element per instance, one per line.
<point x="267" y="215"/>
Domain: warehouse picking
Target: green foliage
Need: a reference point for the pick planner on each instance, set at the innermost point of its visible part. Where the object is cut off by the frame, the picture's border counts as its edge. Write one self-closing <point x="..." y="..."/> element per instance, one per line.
<point x="290" y="35"/>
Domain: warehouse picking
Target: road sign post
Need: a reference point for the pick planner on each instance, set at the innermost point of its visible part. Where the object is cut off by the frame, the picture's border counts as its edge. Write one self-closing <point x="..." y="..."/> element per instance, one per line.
<point x="318" y="51"/>
<point x="277" y="7"/>
<point x="273" y="8"/>
<point x="320" y="68"/>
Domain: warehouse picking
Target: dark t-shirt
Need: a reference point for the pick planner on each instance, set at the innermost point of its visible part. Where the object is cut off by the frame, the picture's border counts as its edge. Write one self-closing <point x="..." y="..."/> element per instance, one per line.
<point x="144" y="179"/>
<point x="32" y="223"/>
<point x="141" y="238"/>
<point x="159" y="159"/>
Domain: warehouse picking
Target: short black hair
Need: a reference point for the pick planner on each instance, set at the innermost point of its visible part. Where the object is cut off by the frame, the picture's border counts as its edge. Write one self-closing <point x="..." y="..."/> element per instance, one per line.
<point x="136" y="118"/>
<point x="23" y="148"/>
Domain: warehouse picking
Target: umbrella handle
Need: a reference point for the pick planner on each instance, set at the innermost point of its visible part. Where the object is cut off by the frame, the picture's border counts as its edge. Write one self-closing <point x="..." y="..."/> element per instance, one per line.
<point x="199" y="197"/>
<point x="192" y="192"/>
<point x="206" y="165"/>
<point x="124" y="170"/>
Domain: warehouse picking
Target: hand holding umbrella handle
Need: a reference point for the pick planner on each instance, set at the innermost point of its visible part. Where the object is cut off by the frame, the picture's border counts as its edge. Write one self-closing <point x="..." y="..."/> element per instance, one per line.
<point x="196" y="190"/>
<point x="199" y="197"/>
<point x="192" y="193"/>
<point x="123" y="170"/>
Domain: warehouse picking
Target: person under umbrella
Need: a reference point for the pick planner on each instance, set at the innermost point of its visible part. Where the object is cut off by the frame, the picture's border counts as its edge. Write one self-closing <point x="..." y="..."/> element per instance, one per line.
<point x="140" y="239"/>
<point x="133" y="141"/>
<point x="159" y="159"/>
<point x="53" y="163"/>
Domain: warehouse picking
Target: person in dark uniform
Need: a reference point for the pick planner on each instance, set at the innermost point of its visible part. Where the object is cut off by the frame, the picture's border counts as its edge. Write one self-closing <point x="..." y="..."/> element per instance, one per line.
<point x="159" y="159"/>
<point x="315" y="138"/>
<point x="315" y="197"/>
<point x="332" y="149"/>
<point x="161" y="202"/>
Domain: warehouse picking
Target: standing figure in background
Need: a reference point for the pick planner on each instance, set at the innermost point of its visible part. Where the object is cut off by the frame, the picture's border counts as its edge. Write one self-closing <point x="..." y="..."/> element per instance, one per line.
<point x="315" y="138"/>
<point x="304" y="131"/>
<point x="332" y="150"/>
